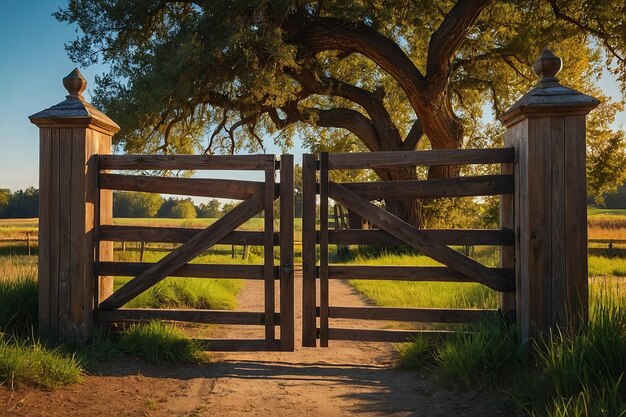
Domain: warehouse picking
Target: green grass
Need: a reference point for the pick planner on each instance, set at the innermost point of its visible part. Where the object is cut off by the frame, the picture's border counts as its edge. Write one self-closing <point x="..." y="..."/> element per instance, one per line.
<point x="422" y="294"/>
<point x="158" y="342"/>
<point x="36" y="364"/>
<point x="18" y="295"/>
<point x="602" y="266"/>
<point x="593" y="211"/>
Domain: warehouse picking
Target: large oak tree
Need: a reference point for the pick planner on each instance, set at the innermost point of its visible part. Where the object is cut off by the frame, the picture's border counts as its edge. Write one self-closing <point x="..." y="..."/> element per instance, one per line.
<point x="219" y="75"/>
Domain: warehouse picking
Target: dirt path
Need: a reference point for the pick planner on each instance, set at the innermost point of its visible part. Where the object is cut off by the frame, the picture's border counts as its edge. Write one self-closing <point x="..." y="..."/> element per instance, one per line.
<point x="348" y="378"/>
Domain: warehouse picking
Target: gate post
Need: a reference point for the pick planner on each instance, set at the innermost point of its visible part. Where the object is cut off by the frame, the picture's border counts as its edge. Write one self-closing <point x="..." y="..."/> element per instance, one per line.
<point x="71" y="135"/>
<point x="547" y="129"/>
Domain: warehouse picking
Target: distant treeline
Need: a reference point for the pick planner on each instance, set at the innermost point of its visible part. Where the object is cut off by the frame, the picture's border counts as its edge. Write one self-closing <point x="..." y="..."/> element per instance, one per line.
<point x="20" y="204"/>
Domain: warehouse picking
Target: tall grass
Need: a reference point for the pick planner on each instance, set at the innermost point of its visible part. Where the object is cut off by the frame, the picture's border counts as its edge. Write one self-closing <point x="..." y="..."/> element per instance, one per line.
<point x="18" y="295"/>
<point x="158" y="342"/>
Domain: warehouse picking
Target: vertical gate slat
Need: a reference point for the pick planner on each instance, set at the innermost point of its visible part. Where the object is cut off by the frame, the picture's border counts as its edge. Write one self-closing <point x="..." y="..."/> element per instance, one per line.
<point x="309" y="316"/>
<point x="268" y="251"/>
<point x="507" y="253"/>
<point x="286" y="253"/>
<point x="324" y="249"/>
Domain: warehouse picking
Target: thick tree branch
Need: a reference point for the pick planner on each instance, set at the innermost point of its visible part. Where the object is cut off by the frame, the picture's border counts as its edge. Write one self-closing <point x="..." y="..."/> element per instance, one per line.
<point x="332" y="34"/>
<point x="413" y="137"/>
<point x="446" y="40"/>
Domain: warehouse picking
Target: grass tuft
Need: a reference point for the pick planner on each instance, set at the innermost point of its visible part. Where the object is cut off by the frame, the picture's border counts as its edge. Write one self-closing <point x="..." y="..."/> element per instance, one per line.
<point x="35" y="364"/>
<point x="158" y="342"/>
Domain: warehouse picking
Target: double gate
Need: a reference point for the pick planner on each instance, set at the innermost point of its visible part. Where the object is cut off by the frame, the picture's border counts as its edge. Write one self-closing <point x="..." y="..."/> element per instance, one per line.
<point x="317" y="189"/>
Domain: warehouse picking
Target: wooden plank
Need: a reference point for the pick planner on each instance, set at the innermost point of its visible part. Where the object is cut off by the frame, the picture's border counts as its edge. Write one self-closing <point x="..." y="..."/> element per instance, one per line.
<point x="124" y="269"/>
<point x="187" y="162"/>
<point x="202" y="187"/>
<point x="576" y="263"/>
<point x="503" y="237"/>
<point x="436" y="315"/>
<point x="186" y="252"/>
<point x="507" y="253"/>
<point x="414" y="238"/>
<point x="65" y="234"/>
<point x="449" y="187"/>
<point x="176" y="235"/>
<point x="186" y="315"/>
<point x="372" y="335"/>
<point x="407" y="273"/>
<point x="557" y="205"/>
<point x="46" y="193"/>
<point x="239" y="345"/>
<point x="395" y="159"/>
<point x="268" y="253"/>
<point x="309" y="289"/>
<point x="287" y="314"/>
<point x="55" y="231"/>
<point x="324" y="295"/>
<point x="79" y="263"/>
<point x="104" y="214"/>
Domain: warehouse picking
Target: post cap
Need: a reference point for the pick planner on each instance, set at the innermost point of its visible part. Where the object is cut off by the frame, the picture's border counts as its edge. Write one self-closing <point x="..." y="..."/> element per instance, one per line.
<point x="547" y="66"/>
<point x="74" y="111"/>
<point x="75" y="83"/>
<point x="548" y="97"/>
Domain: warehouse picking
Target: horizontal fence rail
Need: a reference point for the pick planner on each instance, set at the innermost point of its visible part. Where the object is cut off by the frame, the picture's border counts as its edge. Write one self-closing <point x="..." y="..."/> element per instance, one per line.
<point x="177" y="235"/>
<point x="198" y="187"/>
<point x="187" y="162"/>
<point x="253" y="272"/>
<point x="396" y="159"/>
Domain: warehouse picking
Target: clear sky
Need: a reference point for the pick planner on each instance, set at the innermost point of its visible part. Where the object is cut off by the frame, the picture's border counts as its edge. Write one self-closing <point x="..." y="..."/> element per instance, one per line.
<point x="33" y="62"/>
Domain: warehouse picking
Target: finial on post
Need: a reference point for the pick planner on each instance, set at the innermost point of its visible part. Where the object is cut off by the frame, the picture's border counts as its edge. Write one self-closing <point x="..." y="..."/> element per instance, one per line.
<point x="547" y="66"/>
<point x="75" y="84"/>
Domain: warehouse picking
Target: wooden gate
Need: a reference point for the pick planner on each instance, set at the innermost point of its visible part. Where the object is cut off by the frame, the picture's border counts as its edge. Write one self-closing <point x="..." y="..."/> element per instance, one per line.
<point x="393" y="231"/>
<point x="256" y="196"/>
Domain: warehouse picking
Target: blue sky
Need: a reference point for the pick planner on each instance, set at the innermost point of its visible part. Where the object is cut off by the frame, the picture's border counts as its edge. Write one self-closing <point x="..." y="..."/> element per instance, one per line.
<point x="33" y="62"/>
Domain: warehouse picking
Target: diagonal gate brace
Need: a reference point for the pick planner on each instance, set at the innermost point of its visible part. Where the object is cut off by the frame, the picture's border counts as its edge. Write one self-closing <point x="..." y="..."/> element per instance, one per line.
<point x="186" y="252"/>
<point x="419" y="240"/>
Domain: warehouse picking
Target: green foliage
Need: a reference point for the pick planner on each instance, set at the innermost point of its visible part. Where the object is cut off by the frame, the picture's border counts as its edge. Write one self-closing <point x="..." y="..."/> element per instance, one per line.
<point x="415" y="354"/>
<point x="184" y="209"/>
<point x="220" y="76"/>
<point x="20" y="204"/>
<point x="488" y="351"/>
<point x="135" y="204"/>
<point x="158" y="342"/>
<point x="616" y="200"/>
<point x="36" y="364"/>
<point x="211" y="209"/>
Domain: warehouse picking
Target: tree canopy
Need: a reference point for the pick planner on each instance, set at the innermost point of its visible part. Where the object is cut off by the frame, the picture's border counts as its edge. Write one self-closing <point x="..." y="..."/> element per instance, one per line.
<point x="222" y="75"/>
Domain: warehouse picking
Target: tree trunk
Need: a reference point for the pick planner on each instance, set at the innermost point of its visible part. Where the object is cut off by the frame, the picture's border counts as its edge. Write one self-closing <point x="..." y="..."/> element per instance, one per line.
<point x="408" y="210"/>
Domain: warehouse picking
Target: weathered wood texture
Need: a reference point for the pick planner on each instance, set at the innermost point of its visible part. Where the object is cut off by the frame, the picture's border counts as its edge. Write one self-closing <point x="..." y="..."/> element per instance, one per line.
<point x="503" y="237"/>
<point x="438" y="315"/>
<point x="287" y="314"/>
<point x="268" y="251"/>
<point x="408" y="273"/>
<point x="184" y="162"/>
<point x="215" y="271"/>
<point x="394" y="159"/>
<point x="177" y="235"/>
<point x="323" y="231"/>
<point x="69" y="204"/>
<point x="507" y="253"/>
<point x="186" y="252"/>
<point x="451" y="187"/>
<point x="549" y="208"/>
<point x="184" y="315"/>
<point x="308" y="251"/>
<point x="201" y="187"/>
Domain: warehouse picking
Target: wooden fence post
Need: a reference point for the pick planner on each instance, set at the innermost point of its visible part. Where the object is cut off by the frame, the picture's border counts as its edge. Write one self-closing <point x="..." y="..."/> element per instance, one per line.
<point x="547" y="129"/>
<point x="71" y="135"/>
